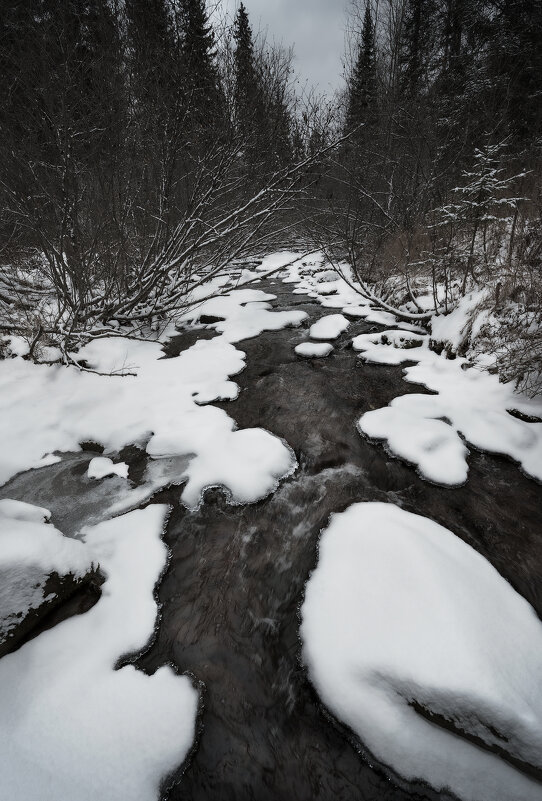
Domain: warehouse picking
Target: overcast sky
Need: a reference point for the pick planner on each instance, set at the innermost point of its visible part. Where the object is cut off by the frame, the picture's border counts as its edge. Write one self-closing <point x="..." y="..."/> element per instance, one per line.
<point x="314" y="27"/>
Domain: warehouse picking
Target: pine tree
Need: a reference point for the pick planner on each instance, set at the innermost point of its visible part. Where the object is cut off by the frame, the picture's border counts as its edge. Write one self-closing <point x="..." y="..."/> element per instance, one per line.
<point x="362" y="91"/>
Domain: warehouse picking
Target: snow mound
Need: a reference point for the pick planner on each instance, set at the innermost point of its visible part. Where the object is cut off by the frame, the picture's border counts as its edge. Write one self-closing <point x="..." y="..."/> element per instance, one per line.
<point x="101" y="467"/>
<point x="311" y="350"/>
<point x="329" y="327"/>
<point x="30" y="551"/>
<point x="412" y="638"/>
<point x="388" y="347"/>
<point x="71" y="725"/>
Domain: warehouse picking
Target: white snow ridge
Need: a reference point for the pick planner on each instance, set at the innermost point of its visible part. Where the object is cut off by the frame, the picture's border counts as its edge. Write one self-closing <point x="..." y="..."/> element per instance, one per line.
<point x="418" y="644"/>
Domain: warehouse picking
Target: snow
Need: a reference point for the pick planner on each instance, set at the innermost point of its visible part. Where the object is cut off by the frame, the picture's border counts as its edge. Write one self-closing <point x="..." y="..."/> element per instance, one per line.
<point x="101" y="466"/>
<point x="427" y="430"/>
<point x="72" y="726"/>
<point x="329" y="327"/>
<point x="47" y="408"/>
<point x="311" y="350"/>
<point x="18" y="510"/>
<point x="246" y="312"/>
<point x="30" y="550"/>
<point x="397" y="348"/>
<point x="398" y="612"/>
<point x="451" y="328"/>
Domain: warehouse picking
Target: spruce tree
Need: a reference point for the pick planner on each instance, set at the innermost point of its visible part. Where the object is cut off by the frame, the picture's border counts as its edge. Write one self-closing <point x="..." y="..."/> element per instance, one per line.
<point x="199" y="64"/>
<point x="362" y="90"/>
<point x="417" y="46"/>
<point x="248" y="93"/>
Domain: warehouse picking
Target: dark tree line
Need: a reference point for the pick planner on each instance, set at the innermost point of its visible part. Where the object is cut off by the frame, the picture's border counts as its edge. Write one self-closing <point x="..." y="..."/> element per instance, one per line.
<point x="142" y="150"/>
<point x="129" y="145"/>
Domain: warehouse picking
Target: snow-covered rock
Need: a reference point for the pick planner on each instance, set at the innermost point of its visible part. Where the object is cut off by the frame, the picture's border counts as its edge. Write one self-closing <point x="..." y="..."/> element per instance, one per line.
<point x="39" y="567"/>
<point x="101" y="466"/>
<point x="388" y="347"/>
<point x="329" y="327"/>
<point x="312" y="350"/>
<point x="72" y="725"/>
<point x="415" y="641"/>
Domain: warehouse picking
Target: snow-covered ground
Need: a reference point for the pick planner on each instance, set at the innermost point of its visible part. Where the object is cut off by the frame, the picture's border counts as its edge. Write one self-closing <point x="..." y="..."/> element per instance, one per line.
<point x="72" y="726"/>
<point x="400" y="616"/>
<point x="52" y="408"/>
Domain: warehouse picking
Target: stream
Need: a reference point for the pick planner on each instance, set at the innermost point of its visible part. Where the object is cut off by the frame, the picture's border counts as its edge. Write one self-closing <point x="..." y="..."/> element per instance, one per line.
<point x="232" y="591"/>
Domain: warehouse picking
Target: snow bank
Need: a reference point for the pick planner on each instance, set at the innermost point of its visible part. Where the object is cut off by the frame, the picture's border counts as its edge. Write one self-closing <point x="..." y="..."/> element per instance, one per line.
<point x="71" y="725"/>
<point x="311" y="350"/>
<point x="401" y="617"/>
<point x="452" y="328"/>
<point x="101" y="467"/>
<point x="329" y="327"/>
<point x="47" y="408"/>
<point x="426" y="430"/>
<point x="30" y="551"/>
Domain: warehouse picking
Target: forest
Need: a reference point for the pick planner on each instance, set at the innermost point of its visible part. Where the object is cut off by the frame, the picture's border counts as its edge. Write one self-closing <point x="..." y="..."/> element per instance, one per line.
<point x="147" y="145"/>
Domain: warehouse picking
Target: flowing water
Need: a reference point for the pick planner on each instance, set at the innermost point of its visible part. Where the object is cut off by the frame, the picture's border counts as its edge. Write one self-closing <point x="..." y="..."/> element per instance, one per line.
<point x="232" y="591"/>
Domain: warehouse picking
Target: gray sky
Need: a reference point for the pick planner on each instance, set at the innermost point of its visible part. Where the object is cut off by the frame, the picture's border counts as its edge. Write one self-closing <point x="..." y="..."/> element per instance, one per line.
<point x="314" y="27"/>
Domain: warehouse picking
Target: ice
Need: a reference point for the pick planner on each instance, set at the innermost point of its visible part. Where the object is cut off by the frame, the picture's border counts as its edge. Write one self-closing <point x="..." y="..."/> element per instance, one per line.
<point x="101" y="466"/>
<point x="72" y="726"/>
<point x="401" y="617"/>
<point x="311" y="350"/>
<point x="329" y="327"/>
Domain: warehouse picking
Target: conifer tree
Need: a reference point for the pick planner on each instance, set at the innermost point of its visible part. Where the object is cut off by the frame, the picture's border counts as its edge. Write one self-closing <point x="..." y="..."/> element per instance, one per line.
<point x="248" y="91"/>
<point x="199" y="64"/>
<point x="417" y="45"/>
<point x="362" y="90"/>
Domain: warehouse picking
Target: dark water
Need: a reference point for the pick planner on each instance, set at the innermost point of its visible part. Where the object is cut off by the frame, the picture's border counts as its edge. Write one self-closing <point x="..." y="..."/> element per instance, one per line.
<point x="231" y="595"/>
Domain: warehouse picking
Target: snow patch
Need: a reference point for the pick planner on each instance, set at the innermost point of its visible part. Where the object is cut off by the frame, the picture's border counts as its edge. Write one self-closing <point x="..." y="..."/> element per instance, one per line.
<point x="312" y="350"/>
<point x="329" y="327"/>
<point x="470" y="403"/>
<point x="101" y="466"/>
<point x="400" y="616"/>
